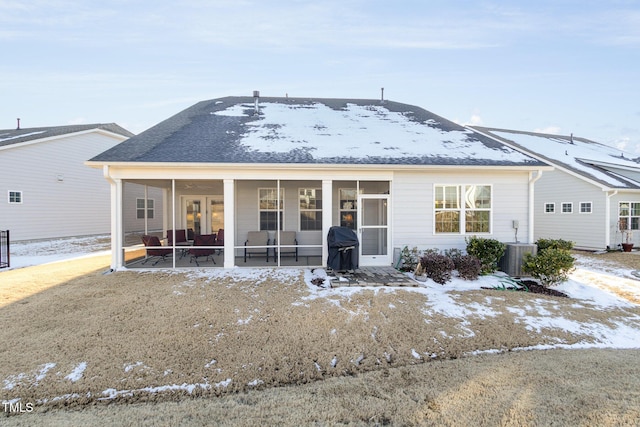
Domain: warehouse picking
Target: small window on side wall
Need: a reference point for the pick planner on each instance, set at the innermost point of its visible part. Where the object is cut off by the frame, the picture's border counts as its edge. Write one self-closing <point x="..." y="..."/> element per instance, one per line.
<point x="549" y="208"/>
<point x="15" y="197"/>
<point x="586" y="207"/>
<point x="567" y="207"/>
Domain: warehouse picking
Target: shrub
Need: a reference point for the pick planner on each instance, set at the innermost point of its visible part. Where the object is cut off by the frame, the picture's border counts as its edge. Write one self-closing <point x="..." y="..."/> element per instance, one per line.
<point x="551" y="266"/>
<point x="409" y="259"/>
<point x="488" y="251"/>
<point x="455" y="255"/>
<point x="437" y="267"/>
<point x="554" y="243"/>
<point x="468" y="267"/>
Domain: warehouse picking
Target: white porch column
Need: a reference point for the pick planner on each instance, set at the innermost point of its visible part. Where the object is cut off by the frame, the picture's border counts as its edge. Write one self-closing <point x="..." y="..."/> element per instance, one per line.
<point x="117" y="254"/>
<point x="229" y="223"/>
<point x="327" y="216"/>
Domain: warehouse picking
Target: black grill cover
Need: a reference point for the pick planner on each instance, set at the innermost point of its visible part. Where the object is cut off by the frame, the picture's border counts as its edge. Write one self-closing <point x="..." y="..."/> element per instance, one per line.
<point x="343" y="249"/>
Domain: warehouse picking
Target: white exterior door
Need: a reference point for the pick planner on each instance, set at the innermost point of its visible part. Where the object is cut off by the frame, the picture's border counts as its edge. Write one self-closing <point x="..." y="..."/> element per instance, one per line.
<point x="203" y="214"/>
<point x="374" y="231"/>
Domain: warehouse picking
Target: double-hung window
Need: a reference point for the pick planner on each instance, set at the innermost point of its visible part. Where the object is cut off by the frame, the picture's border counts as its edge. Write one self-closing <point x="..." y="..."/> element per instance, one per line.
<point x="270" y="209"/>
<point x="462" y="208"/>
<point x="310" y="204"/>
<point x="629" y="215"/>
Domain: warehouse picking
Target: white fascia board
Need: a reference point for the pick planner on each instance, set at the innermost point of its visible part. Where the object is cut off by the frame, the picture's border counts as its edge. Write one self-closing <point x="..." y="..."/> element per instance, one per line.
<point x="117" y="136"/>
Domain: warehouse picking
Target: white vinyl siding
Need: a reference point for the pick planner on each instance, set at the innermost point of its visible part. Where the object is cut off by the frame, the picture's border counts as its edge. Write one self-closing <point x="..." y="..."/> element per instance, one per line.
<point x="414" y="214"/>
<point x="586" y="231"/>
<point x="61" y="195"/>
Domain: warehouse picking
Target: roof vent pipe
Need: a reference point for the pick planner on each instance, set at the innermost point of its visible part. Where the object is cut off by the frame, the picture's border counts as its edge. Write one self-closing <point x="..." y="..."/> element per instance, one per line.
<point x="572" y="138"/>
<point x="381" y="94"/>
<point x="18" y="128"/>
<point x="256" y="99"/>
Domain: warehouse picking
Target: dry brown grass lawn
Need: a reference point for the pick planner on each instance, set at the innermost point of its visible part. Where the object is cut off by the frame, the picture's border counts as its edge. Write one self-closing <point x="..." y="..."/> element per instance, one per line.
<point x="177" y="348"/>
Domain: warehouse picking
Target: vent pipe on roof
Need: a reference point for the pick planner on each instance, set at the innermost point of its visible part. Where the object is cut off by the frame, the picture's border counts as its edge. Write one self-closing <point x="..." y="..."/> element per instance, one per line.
<point x="18" y="128"/>
<point x="572" y="138"/>
<point x="256" y="99"/>
<point x="381" y="94"/>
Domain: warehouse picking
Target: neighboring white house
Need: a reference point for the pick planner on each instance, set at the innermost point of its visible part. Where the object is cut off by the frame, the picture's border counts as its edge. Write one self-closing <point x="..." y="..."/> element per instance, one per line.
<point x="396" y="173"/>
<point x="47" y="191"/>
<point x="592" y="193"/>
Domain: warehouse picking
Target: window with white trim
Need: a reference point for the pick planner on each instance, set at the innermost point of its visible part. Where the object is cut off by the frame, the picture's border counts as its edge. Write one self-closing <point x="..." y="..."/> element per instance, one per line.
<point x="567" y="207"/>
<point x="586" y="207"/>
<point x="270" y="209"/>
<point x="14" y="197"/>
<point x="310" y="204"/>
<point x="629" y="215"/>
<point x="140" y="208"/>
<point x="549" y="208"/>
<point x="462" y="208"/>
<point x="348" y="208"/>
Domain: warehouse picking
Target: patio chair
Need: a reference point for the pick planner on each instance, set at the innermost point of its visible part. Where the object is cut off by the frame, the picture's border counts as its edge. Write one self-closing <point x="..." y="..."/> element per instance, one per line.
<point x="203" y="240"/>
<point x="181" y="240"/>
<point x="181" y="237"/>
<point x="219" y="240"/>
<point x="287" y="238"/>
<point x="257" y="238"/>
<point x="155" y="249"/>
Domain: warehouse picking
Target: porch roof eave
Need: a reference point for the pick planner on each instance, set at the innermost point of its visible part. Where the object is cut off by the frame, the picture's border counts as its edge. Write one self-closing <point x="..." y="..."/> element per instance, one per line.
<point x="314" y="166"/>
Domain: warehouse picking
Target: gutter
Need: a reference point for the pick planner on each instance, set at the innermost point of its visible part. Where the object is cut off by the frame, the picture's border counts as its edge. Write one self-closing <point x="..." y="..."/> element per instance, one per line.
<point x="532" y="181"/>
<point x="607" y="218"/>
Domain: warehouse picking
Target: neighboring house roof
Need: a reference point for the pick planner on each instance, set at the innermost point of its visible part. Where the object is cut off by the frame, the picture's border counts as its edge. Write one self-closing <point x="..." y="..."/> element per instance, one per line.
<point x="312" y="131"/>
<point x="603" y="164"/>
<point x="17" y="136"/>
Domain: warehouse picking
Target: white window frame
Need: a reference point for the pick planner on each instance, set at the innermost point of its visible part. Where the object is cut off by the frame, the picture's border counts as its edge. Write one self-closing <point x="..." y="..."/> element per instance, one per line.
<point x="281" y="206"/>
<point x="584" y="204"/>
<point x="354" y="207"/>
<point x="316" y="209"/>
<point x="569" y="204"/>
<point x="151" y="209"/>
<point x="553" y="208"/>
<point x="628" y="219"/>
<point x="15" y="192"/>
<point x="462" y="209"/>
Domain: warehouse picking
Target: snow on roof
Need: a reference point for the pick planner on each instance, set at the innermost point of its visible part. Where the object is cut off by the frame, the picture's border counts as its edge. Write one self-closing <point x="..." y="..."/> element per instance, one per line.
<point x="313" y="131"/>
<point x="356" y="130"/>
<point x="574" y="153"/>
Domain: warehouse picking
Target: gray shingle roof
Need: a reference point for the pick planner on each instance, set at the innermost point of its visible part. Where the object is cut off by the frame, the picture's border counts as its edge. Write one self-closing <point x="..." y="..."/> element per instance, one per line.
<point x="16" y="136"/>
<point x="312" y="131"/>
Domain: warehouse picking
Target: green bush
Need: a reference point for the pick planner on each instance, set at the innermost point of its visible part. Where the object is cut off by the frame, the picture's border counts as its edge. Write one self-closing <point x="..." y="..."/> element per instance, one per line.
<point x="488" y="251"/>
<point x="554" y="243"/>
<point x="437" y="267"/>
<point x="409" y="259"/>
<point x="551" y="265"/>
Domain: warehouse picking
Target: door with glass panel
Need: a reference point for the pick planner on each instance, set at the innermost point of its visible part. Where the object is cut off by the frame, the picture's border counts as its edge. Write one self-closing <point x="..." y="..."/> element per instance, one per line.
<point x="374" y="229"/>
<point x="204" y="215"/>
